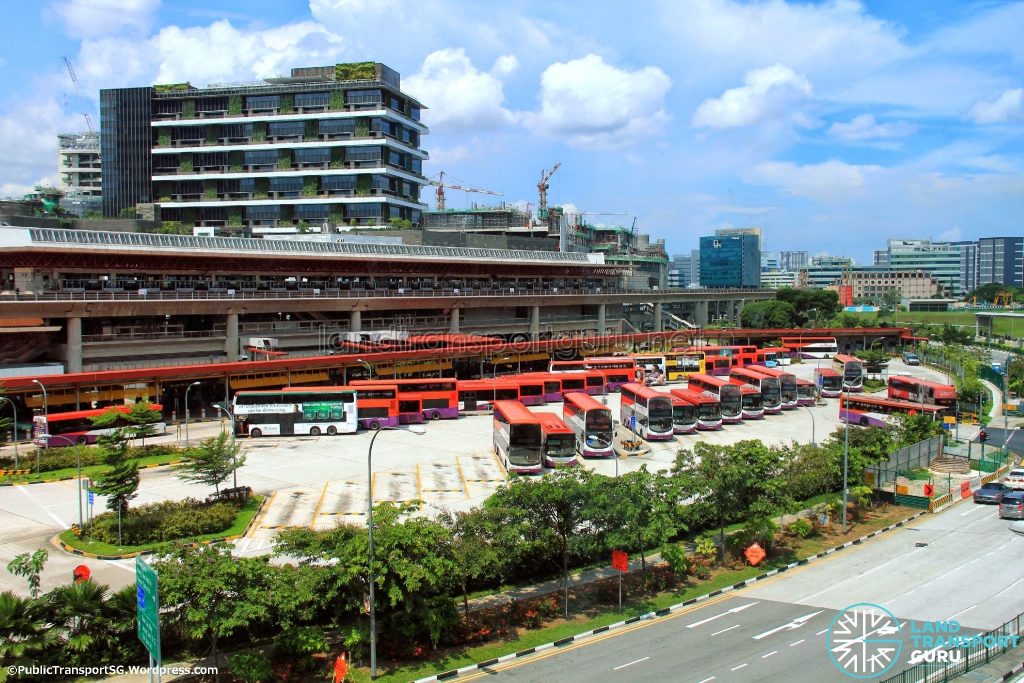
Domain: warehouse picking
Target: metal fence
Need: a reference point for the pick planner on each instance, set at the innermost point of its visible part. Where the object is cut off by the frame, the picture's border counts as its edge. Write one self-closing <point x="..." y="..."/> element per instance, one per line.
<point x="981" y="651"/>
<point x="906" y="459"/>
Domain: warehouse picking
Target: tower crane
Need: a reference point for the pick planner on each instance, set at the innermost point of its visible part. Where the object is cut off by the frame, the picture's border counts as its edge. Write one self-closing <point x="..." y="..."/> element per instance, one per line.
<point x="440" y="184"/>
<point x="78" y="91"/>
<point x="542" y="189"/>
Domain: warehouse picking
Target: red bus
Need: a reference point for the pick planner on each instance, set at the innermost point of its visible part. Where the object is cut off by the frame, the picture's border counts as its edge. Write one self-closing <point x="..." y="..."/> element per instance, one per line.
<point x="771" y="393"/>
<point x="922" y="391"/>
<point x="591" y="423"/>
<point x="830" y="381"/>
<point x="651" y="410"/>
<point x="863" y="409"/>
<point x="805" y="392"/>
<point x="709" y="409"/>
<point x="518" y="440"/>
<point x="787" y="384"/>
<point x="852" y="370"/>
<point x="76" y="428"/>
<point x="684" y="415"/>
<point x="567" y="365"/>
<point x="438" y="397"/>
<point x="551" y="384"/>
<point x="594" y="382"/>
<point x="479" y="394"/>
<point x="769" y="357"/>
<point x="728" y="394"/>
<point x="751" y="402"/>
<point x="617" y="370"/>
<point x="531" y="390"/>
<point x="559" y="442"/>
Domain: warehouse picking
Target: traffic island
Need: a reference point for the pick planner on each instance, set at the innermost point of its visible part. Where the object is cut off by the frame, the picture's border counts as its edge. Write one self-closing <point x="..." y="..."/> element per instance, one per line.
<point x="628" y="444"/>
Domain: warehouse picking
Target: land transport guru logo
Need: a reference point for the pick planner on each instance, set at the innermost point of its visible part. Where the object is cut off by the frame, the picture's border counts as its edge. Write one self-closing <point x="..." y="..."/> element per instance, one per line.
<point x="864" y="641"/>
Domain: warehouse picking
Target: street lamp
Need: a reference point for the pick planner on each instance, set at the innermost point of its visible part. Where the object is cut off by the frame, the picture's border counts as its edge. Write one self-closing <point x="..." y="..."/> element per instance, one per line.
<point x="222" y="407"/>
<point x="811" y="413"/>
<point x="46" y="402"/>
<point x="846" y="451"/>
<point x="419" y="431"/>
<point x="15" y="409"/>
<point x="78" y="459"/>
<point x="186" y="409"/>
<point x="369" y="368"/>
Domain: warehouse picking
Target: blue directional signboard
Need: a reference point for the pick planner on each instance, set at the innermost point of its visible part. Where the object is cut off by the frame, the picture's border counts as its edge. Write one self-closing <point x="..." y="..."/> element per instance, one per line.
<point x="148" y="611"/>
<point x="632" y="421"/>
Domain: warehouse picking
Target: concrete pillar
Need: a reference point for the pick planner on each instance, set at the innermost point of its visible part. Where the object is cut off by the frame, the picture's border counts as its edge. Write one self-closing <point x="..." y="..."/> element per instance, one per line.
<point x="602" y="323"/>
<point x="534" y="323"/>
<point x="231" y="342"/>
<point x="454" y="328"/>
<point x="355" y="323"/>
<point x="74" y="357"/>
<point x="700" y="314"/>
<point x="657" y="317"/>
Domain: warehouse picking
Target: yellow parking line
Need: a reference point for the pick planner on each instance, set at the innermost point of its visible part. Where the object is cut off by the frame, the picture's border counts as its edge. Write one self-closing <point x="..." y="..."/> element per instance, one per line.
<point x="373" y="484"/>
<point x="319" y="504"/>
<point x="462" y="476"/>
<point x="266" y="510"/>
<point x="501" y="467"/>
<point x="419" y="484"/>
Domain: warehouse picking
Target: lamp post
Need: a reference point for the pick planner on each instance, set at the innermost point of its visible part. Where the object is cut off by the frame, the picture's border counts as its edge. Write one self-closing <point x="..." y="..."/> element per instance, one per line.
<point x="369" y="368"/>
<point x="415" y="429"/>
<point x="222" y="407"/>
<point x="78" y="463"/>
<point x="811" y="413"/>
<point x="46" y="402"/>
<point x="846" y="451"/>
<point x="15" y="410"/>
<point x="187" y="389"/>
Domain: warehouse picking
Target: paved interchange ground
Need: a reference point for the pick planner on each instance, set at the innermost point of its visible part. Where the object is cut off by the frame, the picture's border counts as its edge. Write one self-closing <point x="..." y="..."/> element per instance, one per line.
<point x="318" y="482"/>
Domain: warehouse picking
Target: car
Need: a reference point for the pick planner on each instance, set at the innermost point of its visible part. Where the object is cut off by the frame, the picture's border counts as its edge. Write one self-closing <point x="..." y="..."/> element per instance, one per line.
<point x="1014" y="479"/>
<point x="911" y="358"/>
<point x="991" y="492"/>
<point x="1012" y="505"/>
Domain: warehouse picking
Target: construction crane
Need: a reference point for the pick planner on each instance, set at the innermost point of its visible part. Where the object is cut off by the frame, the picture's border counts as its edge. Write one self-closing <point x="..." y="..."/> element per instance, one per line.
<point x="439" y="183"/>
<point x="78" y="91"/>
<point x="542" y="190"/>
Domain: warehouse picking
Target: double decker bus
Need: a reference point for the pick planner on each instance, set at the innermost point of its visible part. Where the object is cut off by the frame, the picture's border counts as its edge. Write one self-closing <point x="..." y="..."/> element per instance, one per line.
<point x="719" y="360"/>
<point x="771" y="392"/>
<point x="681" y="364"/>
<point x="617" y="370"/>
<point x="594" y="381"/>
<point x="531" y="390"/>
<point x="438" y="397"/>
<point x="684" y="415"/>
<point x="852" y="370"/>
<point x="518" y="439"/>
<point x="805" y="392"/>
<point x="709" y="409"/>
<point x="559" y="442"/>
<point x="811" y="347"/>
<point x="567" y="366"/>
<point x="551" y="384"/>
<point x="480" y="394"/>
<point x="787" y="384"/>
<point x="298" y="410"/>
<point x="652" y="410"/>
<point x="751" y="402"/>
<point x="591" y="423"/>
<point x="866" y="410"/>
<point x="830" y="382"/>
<point x="653" y="367"/>
<point x="728" y="395"/>
<point x="76" y="428"/>
<point x="922" y="391"/>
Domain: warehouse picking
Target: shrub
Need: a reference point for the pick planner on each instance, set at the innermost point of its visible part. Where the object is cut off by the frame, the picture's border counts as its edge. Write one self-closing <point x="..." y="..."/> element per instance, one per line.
<point x="705" y="547"/>
<point x="235" y="105"/>
<point x="337" y="100"/>
<point x="286" y="105"/>
<point x="284" y="160"/>
<point x="251" y="667"/>
<point x="163" y="138"/>
<point x="702" y="570"/>
<point x="675" y="556"/>
<point x="53" y="459"/>
<point x="188" y="109"/>
<point x="166" y="521"/>
<point x="801" y="528"/>
<point x="300" y="643"/>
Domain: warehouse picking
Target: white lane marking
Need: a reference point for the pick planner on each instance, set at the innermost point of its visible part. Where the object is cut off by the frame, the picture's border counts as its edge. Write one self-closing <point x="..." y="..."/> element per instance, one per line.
<point x="726" y="629"/>
<point x="60" y="522"/>
<point x="797" y="642"/>
<point x="706" y="680"/>
<point x="737" y="668"/>
<point x="635" y="661"/>
<point x="972" y="510"/>
<point x="789" y="626"/>
<point x="824" y="630"/>
<point x="773" y="652"/>
<point x="851" y="578"/>
<point x="960" y="612"/>
<point x="1008" y="588"/>
<point x="719" y="616"/>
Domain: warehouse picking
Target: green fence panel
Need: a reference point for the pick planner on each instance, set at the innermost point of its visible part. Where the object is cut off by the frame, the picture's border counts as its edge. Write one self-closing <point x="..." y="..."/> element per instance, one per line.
<point x="912" y="501"/>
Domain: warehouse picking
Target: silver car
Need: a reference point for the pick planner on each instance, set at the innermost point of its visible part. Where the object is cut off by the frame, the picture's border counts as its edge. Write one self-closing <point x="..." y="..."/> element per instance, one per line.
<point x="1012" y="506"/>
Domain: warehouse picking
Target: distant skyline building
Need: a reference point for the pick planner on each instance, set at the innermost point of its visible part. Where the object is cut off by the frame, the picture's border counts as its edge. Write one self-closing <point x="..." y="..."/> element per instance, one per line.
<point x="941" y="260"/>
<point x="730" y="260"/>
<point x="775" y="279"/>
<point x="1001" y="260"/>
<point x="824" y="271"/>
<point x="79" y="172"/>
<point x="968" y="263"/>
<point x="770" y="260"/>
<point x="793" y="260"/>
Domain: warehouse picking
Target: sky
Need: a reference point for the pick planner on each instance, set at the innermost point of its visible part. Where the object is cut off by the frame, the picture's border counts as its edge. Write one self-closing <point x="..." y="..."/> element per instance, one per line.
<point x="831" y="125"/>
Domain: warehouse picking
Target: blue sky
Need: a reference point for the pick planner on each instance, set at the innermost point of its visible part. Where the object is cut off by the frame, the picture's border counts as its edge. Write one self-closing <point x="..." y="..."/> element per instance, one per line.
<point x="832" y="125"/>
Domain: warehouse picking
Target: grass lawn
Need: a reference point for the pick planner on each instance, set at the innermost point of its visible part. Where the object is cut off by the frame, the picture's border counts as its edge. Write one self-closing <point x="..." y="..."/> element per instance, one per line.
<point x="242" y="520"/>
<point x="90" y="471"/>
<point x="593" y="616"/>
<point x="1001" y="327"/>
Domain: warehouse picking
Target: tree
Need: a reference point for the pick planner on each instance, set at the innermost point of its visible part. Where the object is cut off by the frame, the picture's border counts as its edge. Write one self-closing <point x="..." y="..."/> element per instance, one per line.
<point x="144" y="419"/>
<point x="768" y="314"/>
<point x="874" y="360"/>
<point x="472" y="547"/>
<point x="911" y="429"/>
<point x="29" y="567"/>
<point x="810" y="305"/>
<point x="212" y="462"/>
<point x="25" y="634"/>
<point x="120" y="483"/>
<point x="80" y="615"/>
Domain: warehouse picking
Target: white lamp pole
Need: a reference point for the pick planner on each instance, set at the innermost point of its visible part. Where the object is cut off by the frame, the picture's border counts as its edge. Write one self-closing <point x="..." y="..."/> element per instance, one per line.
<point x="187" y="389"/>
<point x="14" y="408"/>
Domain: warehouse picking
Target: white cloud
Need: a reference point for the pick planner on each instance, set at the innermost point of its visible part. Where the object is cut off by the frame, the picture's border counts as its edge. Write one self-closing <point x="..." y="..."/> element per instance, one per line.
<point x="1007" y="107"/>
<point x="991" y="162"/>
<point x="864" y="127"/>
<point x="597" y="105"/>
<point x="458" y="95"/>
<point x="769" y="93"/>
<point x="28" y="136"/>
<point x="94" y="18"/>
<point x="827" y="182"/>
<point x="951" y="235"/>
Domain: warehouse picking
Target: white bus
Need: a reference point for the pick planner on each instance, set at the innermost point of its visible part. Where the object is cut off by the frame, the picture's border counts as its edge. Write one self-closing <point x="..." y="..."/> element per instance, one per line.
<point x="654" y="368"/>
<point x="652" y="410"/>
<point x="518" y="438"/>
<point x="591" y="422"/>
<point x="295" y="411"/>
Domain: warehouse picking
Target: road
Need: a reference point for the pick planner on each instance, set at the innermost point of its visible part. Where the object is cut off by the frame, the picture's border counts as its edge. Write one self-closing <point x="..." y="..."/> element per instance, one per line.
<point x="953" y="565"/>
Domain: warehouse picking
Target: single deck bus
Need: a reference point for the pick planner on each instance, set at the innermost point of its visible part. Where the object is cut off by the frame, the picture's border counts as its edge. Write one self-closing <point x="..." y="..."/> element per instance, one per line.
<point x="830" y="382"/>
<point x="684" y="415"/>
<point x="518" y="439"/>
<point x="855" y="409"/>
<point x="654" y="369"/>
<point x="709" y="409"/>
<point x="298" y="410"/>
<point x="787" y="385"/>
<point x="751" y="402"/>
<point x="681" y="364"/>
<point x="728" y="395"/>
<point x="811" y="347"/>
<point x="852" y="370"/>
<point x="652" y="411"/>
<point x="921" y="390"/>
<point x="77" y="428"/>
<point x="771" y="393"/>
<point x="559" y="442"/>
<point x="591" y="422"/>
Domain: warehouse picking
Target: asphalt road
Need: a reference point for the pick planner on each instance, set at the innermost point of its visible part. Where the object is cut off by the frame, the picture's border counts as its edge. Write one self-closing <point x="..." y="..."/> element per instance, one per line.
<point x="959" y="565"/>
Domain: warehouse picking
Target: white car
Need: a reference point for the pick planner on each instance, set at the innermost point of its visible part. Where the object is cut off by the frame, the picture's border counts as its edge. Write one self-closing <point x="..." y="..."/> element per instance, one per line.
<point x="1015" y="479"/>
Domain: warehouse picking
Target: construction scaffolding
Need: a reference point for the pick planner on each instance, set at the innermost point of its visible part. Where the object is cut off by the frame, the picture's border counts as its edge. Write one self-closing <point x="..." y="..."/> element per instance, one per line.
<point x="477" y="218"/>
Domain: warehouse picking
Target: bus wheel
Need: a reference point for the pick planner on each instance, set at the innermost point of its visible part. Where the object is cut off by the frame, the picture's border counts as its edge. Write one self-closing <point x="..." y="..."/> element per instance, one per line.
<point x="81" y="441"/>
<point x="256" y="433"/>
<point x="314" y="431"/>
<point x="332" y="430"/>
<point x="436" y="415"/>
<point x="863" y="422"/>
<point x="375" y="425"/>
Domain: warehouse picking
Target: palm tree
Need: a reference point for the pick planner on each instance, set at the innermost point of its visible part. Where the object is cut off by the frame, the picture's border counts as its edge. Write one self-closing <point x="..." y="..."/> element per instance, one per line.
<point x="79" y="615"/>
<point x="25" y="635"/>
<point x="120" y="620"/>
